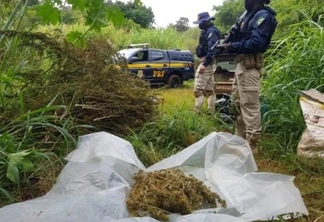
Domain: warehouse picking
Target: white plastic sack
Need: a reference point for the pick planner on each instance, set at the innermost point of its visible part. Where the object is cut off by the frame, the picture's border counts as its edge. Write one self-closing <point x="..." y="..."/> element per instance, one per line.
<point x="312" y="141"/>
<point x="94" y="184"/>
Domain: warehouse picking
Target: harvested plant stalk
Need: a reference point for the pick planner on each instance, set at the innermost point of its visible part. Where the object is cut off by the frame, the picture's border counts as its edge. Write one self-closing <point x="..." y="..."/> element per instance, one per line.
<point x="162" y="192"/>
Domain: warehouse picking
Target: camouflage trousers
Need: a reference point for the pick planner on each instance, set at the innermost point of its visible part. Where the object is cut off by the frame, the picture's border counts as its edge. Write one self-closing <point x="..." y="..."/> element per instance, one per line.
<point x="246" y="99"/>
<point x="204" y="87"/>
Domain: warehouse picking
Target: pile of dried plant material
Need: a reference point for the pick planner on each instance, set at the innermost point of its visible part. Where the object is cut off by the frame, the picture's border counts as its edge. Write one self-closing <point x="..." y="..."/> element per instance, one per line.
<point x="91" y="82"/>
<point x="167" y="191"/>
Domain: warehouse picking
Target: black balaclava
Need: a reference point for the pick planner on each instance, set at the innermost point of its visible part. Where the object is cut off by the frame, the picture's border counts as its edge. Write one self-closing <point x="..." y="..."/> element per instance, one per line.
<point x="204" y="25"/>
<point x="248" y="4"/>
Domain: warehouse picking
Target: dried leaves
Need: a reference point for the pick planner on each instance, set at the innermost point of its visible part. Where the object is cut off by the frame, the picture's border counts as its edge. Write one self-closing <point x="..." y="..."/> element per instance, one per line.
<point x="168" y="191"/>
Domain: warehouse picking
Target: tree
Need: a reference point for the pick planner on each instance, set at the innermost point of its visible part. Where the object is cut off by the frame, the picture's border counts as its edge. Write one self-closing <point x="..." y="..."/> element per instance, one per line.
<point x="95" y="12"/>
<point x="227" y="14"/>
<point x="140" y="14"/>
<point x="182" y="24"/>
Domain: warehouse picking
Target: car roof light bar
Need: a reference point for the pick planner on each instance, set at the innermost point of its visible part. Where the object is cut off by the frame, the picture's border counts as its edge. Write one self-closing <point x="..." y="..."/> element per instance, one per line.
<point x="141" y="45"/>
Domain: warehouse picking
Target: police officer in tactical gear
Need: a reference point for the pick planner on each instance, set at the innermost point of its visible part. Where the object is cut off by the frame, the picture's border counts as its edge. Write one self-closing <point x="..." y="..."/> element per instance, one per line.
<point x="204" y="78"/>
<point x="249" y="38"/>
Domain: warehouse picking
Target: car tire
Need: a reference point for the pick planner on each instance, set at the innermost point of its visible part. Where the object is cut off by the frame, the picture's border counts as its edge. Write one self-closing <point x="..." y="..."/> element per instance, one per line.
<point x="174" y="81"/>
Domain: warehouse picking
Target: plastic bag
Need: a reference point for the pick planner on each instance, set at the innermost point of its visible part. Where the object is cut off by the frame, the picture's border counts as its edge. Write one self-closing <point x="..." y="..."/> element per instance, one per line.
<point x="94" y="184"/>
<point x="312" y="141"/>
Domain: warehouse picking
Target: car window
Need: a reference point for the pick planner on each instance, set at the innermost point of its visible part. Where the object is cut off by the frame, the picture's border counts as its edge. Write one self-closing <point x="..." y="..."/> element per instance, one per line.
<point x="127" y="53"/>
<point x="156" y="55"/>
<point x="141" y="55"/>
<point x="181" y="56"/>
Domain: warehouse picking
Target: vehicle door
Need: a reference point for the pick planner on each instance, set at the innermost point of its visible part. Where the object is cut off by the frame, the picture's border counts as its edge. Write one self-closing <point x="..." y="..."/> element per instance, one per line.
<point x="138" y="63"/>
<point x="159" y="63"/>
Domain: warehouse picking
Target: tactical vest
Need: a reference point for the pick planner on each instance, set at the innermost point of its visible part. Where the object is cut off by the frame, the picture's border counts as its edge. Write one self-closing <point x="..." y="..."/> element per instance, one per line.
<point x="242" y="30"/>
<point x="202" y="47"/>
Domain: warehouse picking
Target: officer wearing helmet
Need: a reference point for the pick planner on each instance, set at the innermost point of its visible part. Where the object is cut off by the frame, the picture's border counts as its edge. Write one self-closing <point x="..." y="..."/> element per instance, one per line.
<point x="204" y="78"/>
<point x="249" y="38"/>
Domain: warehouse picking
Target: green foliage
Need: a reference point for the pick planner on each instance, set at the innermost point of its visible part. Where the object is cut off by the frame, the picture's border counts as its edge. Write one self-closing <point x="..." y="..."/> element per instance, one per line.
<point x="76" y="37"/>
<point x="5" y="10"/>
<point x="96" y="15"/>
<point x="21" y="67"/>
<point x="295" y="64"/>
<point x="33" y="2"/>
<point x="29" y="144"/>
<point x="182" y="24"/>
<point x="174" y="130"/>
<point x="49" y="13"/>
<point x="227" y="14"/>
<point x="34" y="135"/>
<point x="78" y="4"/>
<point x="159" y="38"/>
<point x="192" y="38"/>
<point x="115" y="15"/>
<point x="290" y="12"/>
<point x="70" y="16"/>
<point x="139" y="13"/>
<point x="131" y="33"/>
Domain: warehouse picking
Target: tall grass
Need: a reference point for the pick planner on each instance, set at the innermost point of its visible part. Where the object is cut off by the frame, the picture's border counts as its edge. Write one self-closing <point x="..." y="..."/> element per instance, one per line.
<point x="296" y="63"/>
<point x="159" y="38"/>
<point x="32" y="142"/>
<point x="121" y="37"/>
<point x="177" y="126"/>
<point x="171" y="133"/>
<point x="30" y="146"/>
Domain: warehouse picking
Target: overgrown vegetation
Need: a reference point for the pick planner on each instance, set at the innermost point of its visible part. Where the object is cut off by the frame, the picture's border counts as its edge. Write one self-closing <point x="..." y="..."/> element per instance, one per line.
<point x="295" y="64"/>
<point x="52" y="91"/>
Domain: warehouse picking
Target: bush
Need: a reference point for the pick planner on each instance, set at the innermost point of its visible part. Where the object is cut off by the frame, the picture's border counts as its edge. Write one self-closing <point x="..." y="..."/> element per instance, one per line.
<point x="295" y="63"/>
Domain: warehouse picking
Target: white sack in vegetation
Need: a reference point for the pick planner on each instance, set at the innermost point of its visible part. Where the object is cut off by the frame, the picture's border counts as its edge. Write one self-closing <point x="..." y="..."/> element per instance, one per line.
<point x="94" y="184"/>
<point x="312" y="141"/>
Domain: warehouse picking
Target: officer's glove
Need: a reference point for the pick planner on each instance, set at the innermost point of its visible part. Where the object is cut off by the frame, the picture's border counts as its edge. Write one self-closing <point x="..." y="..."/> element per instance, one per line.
<point x="225" y="47"/>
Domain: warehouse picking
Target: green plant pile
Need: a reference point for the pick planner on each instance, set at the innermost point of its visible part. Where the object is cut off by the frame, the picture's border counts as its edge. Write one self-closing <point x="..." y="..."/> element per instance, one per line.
<point x="85" y="80"/>
<point x="168" y="191"/>
<point x="52" y="92"/>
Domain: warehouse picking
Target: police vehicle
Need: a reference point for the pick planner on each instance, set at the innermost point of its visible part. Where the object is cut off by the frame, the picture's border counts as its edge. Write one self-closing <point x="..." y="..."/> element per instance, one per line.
<point x="159" y="67"/>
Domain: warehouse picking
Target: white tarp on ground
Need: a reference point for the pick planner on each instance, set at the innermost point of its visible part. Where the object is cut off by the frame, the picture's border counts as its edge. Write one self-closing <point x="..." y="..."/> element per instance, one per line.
<point x="94" y="184"/>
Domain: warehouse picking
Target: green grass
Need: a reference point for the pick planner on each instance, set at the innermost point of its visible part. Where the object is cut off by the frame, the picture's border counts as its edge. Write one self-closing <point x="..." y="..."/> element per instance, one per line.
<point x="31" y="146"/>
<point x="176" y="127"/>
